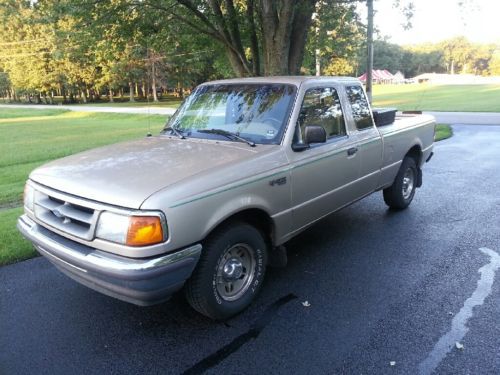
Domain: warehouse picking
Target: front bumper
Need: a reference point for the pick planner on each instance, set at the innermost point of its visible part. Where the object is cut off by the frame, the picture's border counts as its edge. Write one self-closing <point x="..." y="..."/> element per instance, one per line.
<point x="139" y="281"/>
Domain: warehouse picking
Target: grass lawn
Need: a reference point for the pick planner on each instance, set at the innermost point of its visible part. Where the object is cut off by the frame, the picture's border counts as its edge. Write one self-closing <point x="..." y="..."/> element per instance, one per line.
<point x="13" y="247"/>
<point x="425" y="97"/>
<point x="443" y="132"/>
<point x="166" y="102"/>
<point x="29" y="138"/>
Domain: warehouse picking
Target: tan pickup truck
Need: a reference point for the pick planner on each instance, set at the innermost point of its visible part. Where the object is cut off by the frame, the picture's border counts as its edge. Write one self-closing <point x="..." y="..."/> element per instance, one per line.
<point x="242" y="167"/>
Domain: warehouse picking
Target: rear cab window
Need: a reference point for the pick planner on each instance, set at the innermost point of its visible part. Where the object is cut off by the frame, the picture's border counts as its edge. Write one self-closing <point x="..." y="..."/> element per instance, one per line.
<point x="360" y="108"/>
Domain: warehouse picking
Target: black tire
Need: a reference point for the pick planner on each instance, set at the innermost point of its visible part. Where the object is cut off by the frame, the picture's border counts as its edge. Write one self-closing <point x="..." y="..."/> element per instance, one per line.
<point x="398" y="196"/>
<point x="210" y="297"/>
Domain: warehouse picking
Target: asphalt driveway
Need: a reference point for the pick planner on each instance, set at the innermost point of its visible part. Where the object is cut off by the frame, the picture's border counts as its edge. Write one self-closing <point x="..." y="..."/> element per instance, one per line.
<point x="387" y="292"/>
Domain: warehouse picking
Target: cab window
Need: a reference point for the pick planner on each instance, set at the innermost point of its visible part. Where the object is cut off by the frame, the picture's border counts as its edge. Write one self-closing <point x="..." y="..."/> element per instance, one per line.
<point x="359" y="106"/>
<point x="321" y="106"/>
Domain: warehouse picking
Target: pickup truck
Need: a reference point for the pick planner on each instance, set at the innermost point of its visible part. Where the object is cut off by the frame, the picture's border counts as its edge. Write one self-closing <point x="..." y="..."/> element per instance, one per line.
<point x="206" y="205"/>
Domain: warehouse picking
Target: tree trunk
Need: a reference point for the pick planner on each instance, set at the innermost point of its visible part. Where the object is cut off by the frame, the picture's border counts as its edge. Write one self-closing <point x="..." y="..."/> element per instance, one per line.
<point x="84" y="97"/>
<point x="236" y="63"/>
<point x="153" y="81"/>
<point x="131" y="92"/>
<point x="300" y="27"/>
<point x="111" y="100"/>
<point x="254" y="41"/>
<point x="280" y="27"/>
<point x="369" y="63"/>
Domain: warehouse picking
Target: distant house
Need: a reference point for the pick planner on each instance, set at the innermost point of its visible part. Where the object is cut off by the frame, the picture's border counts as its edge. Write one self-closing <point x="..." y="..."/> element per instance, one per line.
<point x="378" y="76"/>
<point x="398" y="77"/>
<point x="454" y="79"/>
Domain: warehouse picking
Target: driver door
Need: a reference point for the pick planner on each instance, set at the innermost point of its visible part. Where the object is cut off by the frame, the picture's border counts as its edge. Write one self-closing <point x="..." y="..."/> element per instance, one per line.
<point x="322" y="174"/>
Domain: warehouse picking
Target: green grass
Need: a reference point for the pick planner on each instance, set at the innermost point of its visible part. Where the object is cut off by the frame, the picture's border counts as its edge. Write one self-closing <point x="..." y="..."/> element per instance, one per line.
<point x="29" y="138"/>
<point x="9" y="113"/>
<point x="443" y="132"/>
<point x="13" y="247"/>
<point x="425" y="97"/>
<point x="166" y="101"/>
<point x="170" y="102"/>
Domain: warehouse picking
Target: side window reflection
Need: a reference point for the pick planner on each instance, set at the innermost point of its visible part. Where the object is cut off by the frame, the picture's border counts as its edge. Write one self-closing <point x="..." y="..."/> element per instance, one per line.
<point x="321" y="106"/>
<point x="360" y="107"/>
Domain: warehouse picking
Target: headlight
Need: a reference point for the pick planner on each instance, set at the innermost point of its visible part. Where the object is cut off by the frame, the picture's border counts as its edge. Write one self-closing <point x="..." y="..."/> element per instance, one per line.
<point x="29" y="197"/>
<point x="130" y="230"/>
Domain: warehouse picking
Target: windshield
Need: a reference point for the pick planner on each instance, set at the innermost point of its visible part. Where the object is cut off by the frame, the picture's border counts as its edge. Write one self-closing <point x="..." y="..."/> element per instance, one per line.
<point x="256" y="112"/>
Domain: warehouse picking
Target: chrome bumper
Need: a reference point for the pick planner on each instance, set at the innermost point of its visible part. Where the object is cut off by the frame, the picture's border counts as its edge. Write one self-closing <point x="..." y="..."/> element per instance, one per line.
<point x="139" y="281"/>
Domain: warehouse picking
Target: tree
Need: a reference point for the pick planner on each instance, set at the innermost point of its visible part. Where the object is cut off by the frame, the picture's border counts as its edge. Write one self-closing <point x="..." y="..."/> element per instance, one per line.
<point x="252" y="32"/>
<point x="337" y="34"/>
<point x="494" y="64"/>
<point x="456" y="52"/>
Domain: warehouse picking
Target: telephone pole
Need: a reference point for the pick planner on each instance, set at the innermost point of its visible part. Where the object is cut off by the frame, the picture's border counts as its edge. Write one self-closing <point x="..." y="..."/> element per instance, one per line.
<point x="369" y="42"/>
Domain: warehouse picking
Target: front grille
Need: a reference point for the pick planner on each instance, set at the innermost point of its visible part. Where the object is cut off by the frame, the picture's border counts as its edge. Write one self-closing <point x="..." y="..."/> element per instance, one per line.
<point x="57" y="212"/>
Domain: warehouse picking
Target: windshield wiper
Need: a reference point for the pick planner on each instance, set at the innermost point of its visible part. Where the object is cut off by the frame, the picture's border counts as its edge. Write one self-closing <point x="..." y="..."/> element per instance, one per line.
<point x="228" y="134"/>
<point x="177" y="132"/>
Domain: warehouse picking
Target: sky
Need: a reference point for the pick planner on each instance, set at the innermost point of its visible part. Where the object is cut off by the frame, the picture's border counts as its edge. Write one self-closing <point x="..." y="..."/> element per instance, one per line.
<point x="436" y="20"/>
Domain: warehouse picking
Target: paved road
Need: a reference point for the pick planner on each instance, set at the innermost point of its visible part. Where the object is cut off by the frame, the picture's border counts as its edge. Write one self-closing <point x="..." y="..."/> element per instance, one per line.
<point x="383" y="286"/>
<point x="467" y="118"/>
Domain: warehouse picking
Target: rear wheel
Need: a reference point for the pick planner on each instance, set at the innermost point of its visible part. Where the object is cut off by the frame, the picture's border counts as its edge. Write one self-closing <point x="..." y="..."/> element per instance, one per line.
<point x="230" y="271"/>
<point x="400" y="194"/>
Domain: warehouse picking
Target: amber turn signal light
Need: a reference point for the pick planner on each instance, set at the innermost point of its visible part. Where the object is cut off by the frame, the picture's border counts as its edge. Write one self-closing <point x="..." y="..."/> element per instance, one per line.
<point x="144" y="230"/>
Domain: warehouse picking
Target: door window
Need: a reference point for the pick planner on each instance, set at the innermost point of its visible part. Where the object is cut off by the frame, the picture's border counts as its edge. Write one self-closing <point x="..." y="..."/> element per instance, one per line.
<point x="321" y="106"/>
<point x="360" y="107"/>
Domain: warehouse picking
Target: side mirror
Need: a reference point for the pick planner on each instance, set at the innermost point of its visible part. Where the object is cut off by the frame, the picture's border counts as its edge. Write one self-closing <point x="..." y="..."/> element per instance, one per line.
<point x="314" y="134"/>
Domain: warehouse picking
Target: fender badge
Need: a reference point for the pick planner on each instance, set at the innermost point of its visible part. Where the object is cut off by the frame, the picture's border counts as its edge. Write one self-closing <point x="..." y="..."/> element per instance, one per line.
<point x="278" y="181"/>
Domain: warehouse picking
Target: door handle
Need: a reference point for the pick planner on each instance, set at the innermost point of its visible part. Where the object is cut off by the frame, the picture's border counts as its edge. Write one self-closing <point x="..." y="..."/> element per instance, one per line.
<point x="352" y="151"/>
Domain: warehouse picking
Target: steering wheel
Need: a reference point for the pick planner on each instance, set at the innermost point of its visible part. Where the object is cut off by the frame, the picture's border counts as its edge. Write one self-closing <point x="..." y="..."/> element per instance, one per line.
<point x="274" y="122"/>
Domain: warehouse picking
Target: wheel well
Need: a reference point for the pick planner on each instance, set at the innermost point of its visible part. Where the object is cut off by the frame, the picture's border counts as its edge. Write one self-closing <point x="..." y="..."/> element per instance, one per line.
<point x="416" y="153"/>
<point x="256" y="217"/>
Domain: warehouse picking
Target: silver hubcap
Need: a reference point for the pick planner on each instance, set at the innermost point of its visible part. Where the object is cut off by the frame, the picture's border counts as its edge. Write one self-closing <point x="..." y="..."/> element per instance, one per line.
<point x="408" y="183"/>
<point x="235" y="272"/>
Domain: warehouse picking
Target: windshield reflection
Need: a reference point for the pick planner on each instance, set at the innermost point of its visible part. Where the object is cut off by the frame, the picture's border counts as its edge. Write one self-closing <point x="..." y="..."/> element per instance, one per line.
<point x="257" y="112"/>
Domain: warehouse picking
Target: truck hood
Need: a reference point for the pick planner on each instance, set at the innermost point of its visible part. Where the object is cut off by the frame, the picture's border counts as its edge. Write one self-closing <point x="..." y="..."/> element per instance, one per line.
<point x="125" y="174"/>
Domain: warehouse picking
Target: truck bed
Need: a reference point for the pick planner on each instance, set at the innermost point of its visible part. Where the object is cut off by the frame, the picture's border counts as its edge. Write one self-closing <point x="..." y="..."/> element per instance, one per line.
<point x="399" y="137"/>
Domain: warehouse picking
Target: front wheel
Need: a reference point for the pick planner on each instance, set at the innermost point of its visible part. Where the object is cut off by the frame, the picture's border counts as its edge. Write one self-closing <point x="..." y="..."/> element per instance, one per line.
<point x="400" y="194"/>
<point x="230" y="271"/>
